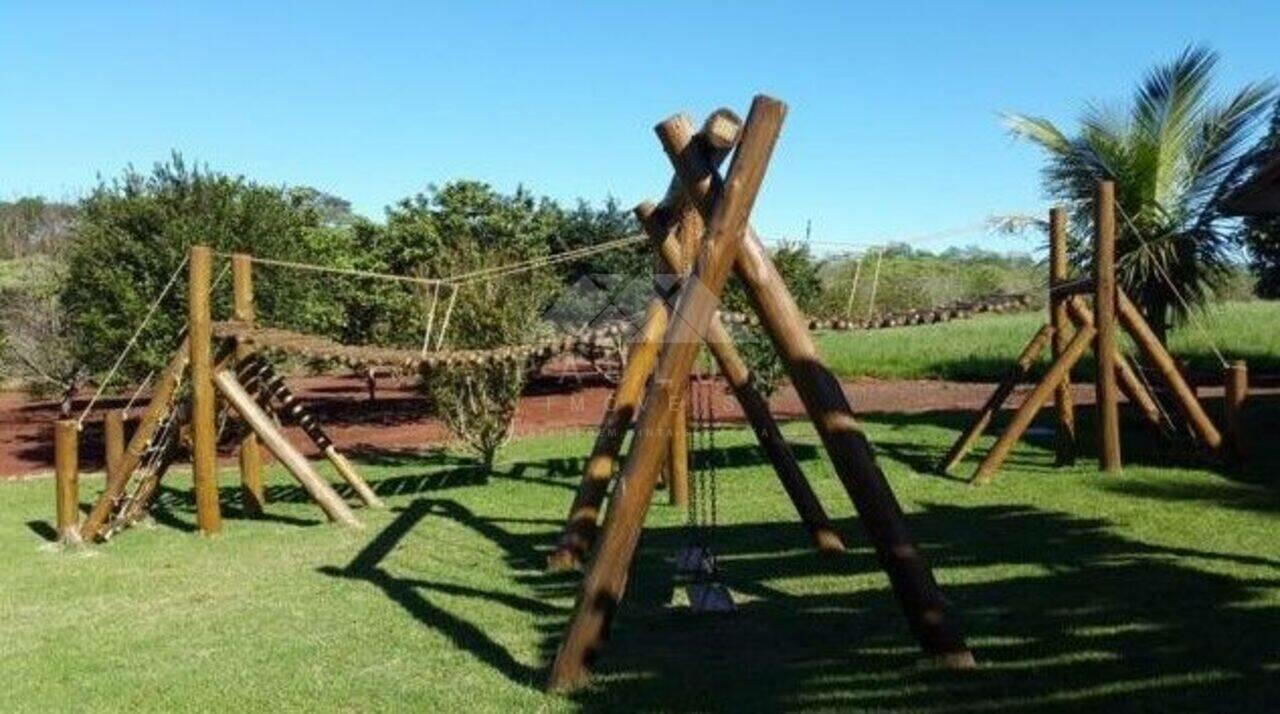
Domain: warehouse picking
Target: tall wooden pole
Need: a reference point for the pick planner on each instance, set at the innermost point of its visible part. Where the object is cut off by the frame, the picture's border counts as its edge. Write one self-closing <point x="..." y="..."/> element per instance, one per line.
<point x="1104" y="265"/>
<point x="113" y="439"/>
<point x="203" y="408"/>
<point x="253" y="494"/>
<point x="1236" y="391"/>
<point x="603" y="584"/>
<point x="1065" y="443"/>
<point x="928" y="611"/>
<point x="66" y="471"/>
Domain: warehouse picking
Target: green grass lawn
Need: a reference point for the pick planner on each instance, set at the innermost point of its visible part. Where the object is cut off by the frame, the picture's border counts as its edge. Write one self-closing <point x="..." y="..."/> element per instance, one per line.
<point x="1157" y="590"/>
<point x="982" y="348"/>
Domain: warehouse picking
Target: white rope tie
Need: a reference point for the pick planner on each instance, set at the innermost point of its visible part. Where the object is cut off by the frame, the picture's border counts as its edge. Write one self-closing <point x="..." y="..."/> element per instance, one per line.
<point x="448" y="311"/>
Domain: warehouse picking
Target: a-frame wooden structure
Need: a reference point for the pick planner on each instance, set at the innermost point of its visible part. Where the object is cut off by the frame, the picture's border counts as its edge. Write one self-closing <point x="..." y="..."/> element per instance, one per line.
<point x="730" y="245"/>
<point x="249" y="386"/>
<point x="1096" y="329"/>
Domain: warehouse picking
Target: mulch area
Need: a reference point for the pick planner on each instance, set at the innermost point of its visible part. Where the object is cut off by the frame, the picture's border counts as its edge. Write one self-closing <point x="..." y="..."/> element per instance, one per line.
<point x="565" y="398"/>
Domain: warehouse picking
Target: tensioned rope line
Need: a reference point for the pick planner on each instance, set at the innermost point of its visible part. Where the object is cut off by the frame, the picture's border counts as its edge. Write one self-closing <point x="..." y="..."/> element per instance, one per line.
<point x="462" y="278"/>
<point x="124" y="352"/>
<point x="133" y="339"/>
<point x="1191" y="315"/>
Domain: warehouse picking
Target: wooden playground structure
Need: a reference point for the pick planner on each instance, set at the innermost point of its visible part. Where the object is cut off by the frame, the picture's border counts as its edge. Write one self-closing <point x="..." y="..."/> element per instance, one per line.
<point x="700" y="233"/>
<point x="1099" y="329"/>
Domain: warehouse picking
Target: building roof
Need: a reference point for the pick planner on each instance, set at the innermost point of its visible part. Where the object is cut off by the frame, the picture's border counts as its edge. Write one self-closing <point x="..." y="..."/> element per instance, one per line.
<point x="1260" y="195"/>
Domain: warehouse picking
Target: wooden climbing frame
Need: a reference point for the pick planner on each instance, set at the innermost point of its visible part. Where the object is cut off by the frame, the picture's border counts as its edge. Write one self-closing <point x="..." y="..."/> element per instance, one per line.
<point x="1097" y="328"/>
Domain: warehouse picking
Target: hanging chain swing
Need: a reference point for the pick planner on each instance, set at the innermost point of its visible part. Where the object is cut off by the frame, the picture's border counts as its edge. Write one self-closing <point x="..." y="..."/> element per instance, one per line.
<point x="696" y="562"/>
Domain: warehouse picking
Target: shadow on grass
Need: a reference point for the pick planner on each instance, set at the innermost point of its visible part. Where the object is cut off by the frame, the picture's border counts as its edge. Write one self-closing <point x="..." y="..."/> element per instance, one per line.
<point x="1062" y="612"/>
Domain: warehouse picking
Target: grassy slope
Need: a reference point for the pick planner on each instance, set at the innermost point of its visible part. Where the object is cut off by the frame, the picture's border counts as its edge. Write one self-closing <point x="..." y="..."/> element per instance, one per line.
<point x="1155" y="590"/>
<point x="981" y="349"/>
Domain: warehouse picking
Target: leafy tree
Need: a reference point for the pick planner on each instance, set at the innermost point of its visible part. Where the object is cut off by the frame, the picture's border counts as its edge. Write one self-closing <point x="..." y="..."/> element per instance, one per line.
<point x="32" y="225"/>
<point x="461" y="229"/>
<point x="134" y="231"/>
<point x="1262" y="233"/>
<point x="1173" y="155"/>
<point x="34" y="345"/>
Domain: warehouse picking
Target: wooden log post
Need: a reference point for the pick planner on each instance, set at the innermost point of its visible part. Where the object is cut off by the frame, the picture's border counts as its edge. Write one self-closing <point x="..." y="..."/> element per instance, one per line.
<point x="603" y="585"/>
<point x="721" y="133"/>
<point x="113" y="439"/>
<point x="584" y="514"/>
<point x="1130" y="384"/>
<point x="1235" y="392"/>
<point x="1031" y="405"/>
<point x="655" y="221"/>
<point x="66" y="472"/>
<point x="272" y="386"/>
<point x="928" y="611"/>
<point x="1104" y="266"/>
<point x="1155" y="354"/>
<point x="1064" y="407"/>
<point x="252" y="493"/>
<point x="293" y="461"/>
<point x="689" y="234"/>
<point x="1029" y="355"/>
<point x="157" y="408"/>
<point x="203" y="400"/>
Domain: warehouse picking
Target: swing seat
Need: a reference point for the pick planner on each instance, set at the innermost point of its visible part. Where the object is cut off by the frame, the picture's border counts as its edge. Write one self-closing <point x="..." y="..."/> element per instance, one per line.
<point x="711" y="596"/>
<point x="695" y="560"/>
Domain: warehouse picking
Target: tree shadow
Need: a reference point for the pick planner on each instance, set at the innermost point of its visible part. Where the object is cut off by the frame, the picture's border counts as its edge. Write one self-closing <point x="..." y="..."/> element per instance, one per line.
<point x="1063" y="612"/>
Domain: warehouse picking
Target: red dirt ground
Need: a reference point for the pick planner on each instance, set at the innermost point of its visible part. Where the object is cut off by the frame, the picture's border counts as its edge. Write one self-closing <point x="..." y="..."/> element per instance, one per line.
<point x="563" y="399"/>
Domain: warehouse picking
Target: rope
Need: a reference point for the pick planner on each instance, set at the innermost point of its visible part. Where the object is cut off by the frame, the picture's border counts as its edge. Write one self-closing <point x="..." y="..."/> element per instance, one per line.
<point x="853" y="290"/>
<point x="133" y="339"/>
<point x="875" y="282"/>
<point x="448" y="312"/>
<point x="354" y="272"/>
<point x="431" y="318"/>
<point x="471" y="276"/>
<point x="484" y="274"/>
<point x="1191" y="314"/>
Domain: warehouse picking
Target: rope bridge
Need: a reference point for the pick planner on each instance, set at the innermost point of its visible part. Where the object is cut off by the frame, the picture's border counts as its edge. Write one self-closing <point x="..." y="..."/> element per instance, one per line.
<point x="589" y="341"/>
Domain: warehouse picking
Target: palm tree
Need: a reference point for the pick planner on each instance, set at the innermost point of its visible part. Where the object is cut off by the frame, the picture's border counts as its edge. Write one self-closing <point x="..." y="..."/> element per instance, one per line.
<point x="1173" y="155"/>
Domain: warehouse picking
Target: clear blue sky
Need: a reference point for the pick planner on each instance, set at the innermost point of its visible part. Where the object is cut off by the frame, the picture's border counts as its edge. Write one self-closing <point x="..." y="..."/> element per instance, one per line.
<point x="893" y="127"/>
